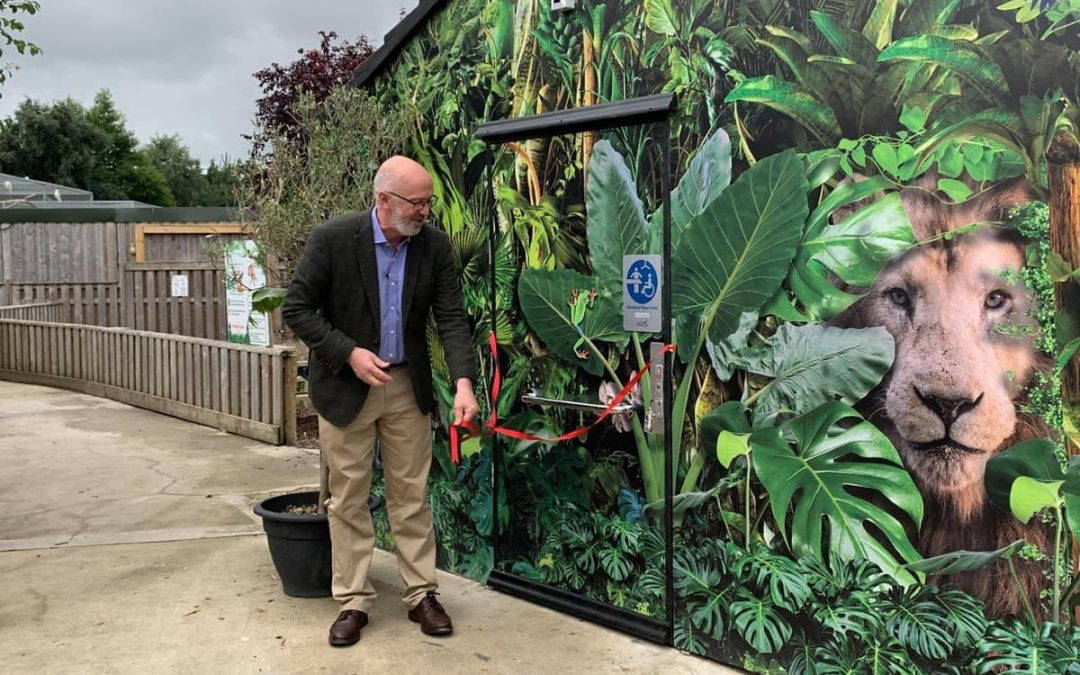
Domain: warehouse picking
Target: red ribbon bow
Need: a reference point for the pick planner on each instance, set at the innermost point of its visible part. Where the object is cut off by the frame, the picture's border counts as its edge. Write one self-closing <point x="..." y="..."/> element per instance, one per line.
<point x="491" y="425"/>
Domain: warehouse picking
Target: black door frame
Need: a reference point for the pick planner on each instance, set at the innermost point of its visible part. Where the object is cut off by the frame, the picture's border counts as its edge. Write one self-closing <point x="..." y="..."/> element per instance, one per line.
<point x="639" y="111"/>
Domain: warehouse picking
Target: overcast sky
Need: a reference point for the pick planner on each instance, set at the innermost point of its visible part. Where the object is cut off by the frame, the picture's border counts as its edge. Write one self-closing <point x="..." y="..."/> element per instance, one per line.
<point x="179" y="67"/>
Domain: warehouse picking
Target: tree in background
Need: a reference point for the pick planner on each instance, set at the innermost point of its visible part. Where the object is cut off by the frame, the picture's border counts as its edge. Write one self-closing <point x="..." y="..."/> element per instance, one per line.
<point x="223" y="182"/>
<point x="182" y="172"/>
<point x="315" y="73"/>
<point x="11" y="28"/>
<point x="66" y="143"/>
<point x="92" y="148"/>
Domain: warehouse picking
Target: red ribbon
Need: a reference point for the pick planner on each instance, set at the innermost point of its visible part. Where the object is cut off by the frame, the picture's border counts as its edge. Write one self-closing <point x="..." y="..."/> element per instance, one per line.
<point x="491" y="426"/>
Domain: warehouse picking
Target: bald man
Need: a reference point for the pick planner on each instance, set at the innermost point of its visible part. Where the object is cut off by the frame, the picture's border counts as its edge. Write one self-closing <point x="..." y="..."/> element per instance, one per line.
<point x="360" y="299"/>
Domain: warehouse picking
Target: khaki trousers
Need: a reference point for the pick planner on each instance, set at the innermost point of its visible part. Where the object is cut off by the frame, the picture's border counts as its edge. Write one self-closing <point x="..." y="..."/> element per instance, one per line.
<point x="390" y="413"/>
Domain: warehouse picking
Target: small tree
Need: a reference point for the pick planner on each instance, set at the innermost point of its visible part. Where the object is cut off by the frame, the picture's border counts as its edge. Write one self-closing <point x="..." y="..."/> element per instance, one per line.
<point x="316" y="73"/>
<point x="324" y="171"/>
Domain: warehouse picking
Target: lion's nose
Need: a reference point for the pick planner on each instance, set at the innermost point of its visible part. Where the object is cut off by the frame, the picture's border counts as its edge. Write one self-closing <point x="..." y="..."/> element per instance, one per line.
<point x="948" y="409"/>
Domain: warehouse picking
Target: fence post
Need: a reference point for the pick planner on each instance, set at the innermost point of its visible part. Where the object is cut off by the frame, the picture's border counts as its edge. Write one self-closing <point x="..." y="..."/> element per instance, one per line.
<point x="288" y="396"/>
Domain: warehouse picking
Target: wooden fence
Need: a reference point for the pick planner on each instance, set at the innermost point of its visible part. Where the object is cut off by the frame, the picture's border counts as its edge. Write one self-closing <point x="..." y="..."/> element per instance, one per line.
<point x="242" y="389"/>
<point x="149" y="305"/>
<point x="95" y="304"/>
<point x="54" y="312"/>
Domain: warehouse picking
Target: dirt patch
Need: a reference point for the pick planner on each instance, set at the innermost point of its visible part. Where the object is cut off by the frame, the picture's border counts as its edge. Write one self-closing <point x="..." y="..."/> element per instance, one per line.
<point x="307" y="432"/>
<point x="302" y="509"/>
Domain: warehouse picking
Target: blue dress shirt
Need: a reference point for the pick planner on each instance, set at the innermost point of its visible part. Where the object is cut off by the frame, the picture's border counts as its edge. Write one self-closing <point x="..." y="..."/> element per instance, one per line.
<point x="391" y="269"/>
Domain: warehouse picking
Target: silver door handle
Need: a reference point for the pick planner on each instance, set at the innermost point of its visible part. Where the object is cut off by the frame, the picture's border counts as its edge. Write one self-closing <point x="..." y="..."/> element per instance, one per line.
<point x="532" y="398"/>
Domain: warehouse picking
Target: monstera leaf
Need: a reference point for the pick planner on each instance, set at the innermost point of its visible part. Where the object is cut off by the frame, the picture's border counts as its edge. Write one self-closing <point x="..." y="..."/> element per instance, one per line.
<point x="617" y="225"/>
<point x="813" y="364"/>
<point x="855" y="250"/>
<point x="812" y="480"/>
<point x="548" y="299"/>
<point x="733" y="256"/>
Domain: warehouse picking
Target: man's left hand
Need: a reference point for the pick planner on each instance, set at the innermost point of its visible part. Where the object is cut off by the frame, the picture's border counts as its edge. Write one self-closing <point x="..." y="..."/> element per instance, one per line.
<point x="465" y="407"/>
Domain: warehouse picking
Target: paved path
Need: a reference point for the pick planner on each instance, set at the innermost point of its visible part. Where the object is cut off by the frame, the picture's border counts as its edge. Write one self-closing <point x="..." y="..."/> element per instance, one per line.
<point x="129" y="546"/>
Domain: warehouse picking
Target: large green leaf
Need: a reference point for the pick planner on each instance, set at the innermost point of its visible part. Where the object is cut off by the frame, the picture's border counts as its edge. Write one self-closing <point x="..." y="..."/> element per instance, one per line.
<point x="879" y="27"/>
<point x="730" y="417"/>
<point x="815" y="481"/>
<point x="859" y="246"/>
<point x="705" y="179"/>
<point x="956" y="562"/>
<point x="809" y="279"/>
<point x="734" y="255"/>
<point x="660" y="16"/>
<point x="922" y="15"/>
<point x="813" y="364"/>
<point x="724" y="355"/>
<point x="546" y="297"/>
<point x="1034" y="459"/>
<point x="617" y="225"/>
<point x="956" y="56"/>
<point x="846" y="42"/>
<point x="760" y="624"/>
<point x="792" y="101"/>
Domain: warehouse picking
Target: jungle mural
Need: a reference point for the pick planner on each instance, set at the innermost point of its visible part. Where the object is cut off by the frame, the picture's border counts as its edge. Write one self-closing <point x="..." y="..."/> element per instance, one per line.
<point x="872" y="451"/>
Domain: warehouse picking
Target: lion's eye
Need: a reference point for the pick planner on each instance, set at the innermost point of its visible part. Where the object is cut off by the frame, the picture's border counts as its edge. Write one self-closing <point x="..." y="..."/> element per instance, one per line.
<point x="996" y="299"/>
<point x="899" y="297"/>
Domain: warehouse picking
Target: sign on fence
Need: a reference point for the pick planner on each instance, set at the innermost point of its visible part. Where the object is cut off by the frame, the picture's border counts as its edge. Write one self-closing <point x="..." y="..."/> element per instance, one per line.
<point x="179" y="285"/>
<point x="243" y="276"/>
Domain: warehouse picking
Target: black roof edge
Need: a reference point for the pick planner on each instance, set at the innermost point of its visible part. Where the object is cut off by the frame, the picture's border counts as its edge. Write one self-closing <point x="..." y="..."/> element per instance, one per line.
<point x="122" y="215"/>
<point x="393" y="42"/>
<point x="641" y="110"/>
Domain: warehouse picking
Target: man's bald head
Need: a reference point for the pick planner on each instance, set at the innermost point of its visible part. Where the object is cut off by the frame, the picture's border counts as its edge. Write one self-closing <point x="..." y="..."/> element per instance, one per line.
<point x="403" y="196"/>
<point x="403" y="175"/>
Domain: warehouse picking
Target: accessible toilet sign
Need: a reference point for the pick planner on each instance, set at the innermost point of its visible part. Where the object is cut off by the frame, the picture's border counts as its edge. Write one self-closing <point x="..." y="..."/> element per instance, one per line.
<point x="641" y="293"/>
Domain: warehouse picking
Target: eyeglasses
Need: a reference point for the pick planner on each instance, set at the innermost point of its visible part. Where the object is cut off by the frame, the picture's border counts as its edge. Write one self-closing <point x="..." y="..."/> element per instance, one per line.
<point x="416" y="203"/>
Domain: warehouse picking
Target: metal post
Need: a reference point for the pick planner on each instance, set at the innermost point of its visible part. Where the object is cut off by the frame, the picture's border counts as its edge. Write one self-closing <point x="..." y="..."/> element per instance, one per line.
<point x="493" y="233"/>
<point x="669" y="470"/>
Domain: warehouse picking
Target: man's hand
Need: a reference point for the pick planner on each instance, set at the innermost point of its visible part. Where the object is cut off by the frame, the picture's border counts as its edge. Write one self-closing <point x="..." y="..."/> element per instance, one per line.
<point x="465" y="407"/>
<point x="368" y="367"/>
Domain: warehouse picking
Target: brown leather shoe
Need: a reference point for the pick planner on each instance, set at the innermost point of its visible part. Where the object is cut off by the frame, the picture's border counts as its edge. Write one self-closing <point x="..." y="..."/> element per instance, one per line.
<point x="346" y="629"/>
<point x="431" y="616"/>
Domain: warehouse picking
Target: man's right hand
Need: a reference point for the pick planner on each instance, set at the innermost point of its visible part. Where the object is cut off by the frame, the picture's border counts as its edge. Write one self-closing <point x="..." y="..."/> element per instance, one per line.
<point x="369" y="367"/>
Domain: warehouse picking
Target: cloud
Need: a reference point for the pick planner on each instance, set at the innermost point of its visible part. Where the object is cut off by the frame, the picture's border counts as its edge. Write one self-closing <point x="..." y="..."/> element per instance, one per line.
<point x="180" y="68"/>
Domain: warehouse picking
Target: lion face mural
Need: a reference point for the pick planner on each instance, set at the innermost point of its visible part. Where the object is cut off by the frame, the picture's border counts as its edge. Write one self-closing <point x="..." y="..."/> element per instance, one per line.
<point x="960" y="318"/>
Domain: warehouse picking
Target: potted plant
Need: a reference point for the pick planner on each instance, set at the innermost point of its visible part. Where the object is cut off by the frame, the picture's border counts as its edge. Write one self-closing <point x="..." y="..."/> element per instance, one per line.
<point x="298" y="178"/>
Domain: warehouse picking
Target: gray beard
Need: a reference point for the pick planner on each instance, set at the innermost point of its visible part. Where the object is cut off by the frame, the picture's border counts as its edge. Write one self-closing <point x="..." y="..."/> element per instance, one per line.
<point x="409" y="228"/>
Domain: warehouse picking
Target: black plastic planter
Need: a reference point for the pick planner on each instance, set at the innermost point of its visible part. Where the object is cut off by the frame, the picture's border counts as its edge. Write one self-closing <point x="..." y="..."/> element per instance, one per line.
<point x="299" y="544"/>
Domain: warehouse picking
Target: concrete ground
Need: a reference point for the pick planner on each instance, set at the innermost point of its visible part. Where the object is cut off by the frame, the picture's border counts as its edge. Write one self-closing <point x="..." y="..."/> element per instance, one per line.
<point x="129" y="546"/>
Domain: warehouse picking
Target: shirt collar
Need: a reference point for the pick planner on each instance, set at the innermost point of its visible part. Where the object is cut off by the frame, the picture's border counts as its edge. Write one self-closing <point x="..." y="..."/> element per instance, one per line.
<point x="376" y="229"/>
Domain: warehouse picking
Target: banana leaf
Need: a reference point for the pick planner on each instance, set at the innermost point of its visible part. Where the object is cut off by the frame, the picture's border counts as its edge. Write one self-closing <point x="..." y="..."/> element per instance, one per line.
<point x="791" y="100"/>
<point x="955" y="56"/>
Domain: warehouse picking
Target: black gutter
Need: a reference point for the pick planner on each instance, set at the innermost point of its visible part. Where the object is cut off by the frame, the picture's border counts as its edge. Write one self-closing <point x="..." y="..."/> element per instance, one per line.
<point x="644" y="110"/>
<point x="394" y="41"/>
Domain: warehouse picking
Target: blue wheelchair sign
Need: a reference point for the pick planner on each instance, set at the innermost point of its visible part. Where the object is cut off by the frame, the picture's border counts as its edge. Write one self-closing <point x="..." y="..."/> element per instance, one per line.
<point x="642" y="281"/>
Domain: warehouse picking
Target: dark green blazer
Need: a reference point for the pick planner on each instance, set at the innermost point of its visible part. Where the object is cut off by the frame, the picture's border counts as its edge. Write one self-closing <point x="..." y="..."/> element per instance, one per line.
<point x="332" y="304"/>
